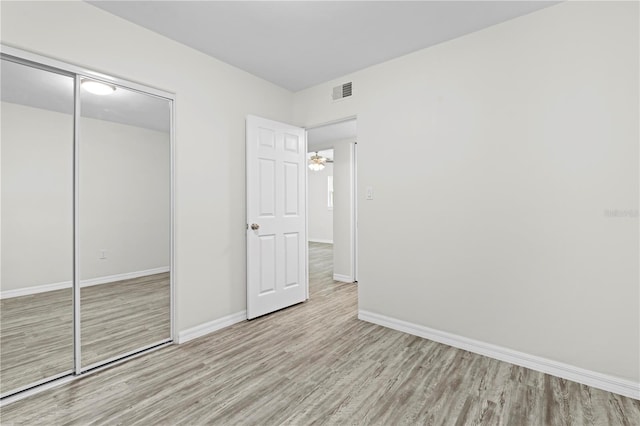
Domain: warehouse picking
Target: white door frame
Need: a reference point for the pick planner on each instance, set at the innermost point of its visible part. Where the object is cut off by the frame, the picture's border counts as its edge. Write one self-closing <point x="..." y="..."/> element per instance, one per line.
<point x="354" y="210"/>
<point x="354" y="198"/>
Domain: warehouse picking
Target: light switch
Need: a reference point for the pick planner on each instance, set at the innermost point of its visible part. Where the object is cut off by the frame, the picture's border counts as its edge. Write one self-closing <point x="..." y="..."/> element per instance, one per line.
<point x="369" y="194"/>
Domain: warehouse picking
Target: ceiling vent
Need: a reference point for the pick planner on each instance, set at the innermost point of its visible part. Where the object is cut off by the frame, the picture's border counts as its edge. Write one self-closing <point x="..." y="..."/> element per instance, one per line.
<point x="343" y="91"/>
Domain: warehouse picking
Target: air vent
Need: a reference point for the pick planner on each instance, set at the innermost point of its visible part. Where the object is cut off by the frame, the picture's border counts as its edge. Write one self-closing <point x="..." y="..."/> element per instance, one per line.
<point x="343" y="91"/>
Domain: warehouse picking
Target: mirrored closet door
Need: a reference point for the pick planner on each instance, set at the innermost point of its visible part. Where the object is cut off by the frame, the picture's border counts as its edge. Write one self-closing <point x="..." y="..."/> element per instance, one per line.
<point x="124" y="212"/>
<point x="86" y="214"/>
<point x="36" y="295"/>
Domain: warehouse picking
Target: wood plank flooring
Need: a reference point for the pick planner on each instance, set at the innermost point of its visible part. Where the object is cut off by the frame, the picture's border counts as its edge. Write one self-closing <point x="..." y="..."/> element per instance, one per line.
<point x="316" y="363"/>
<point x="124" y="316"/>
<point x="36" y="338"/>
<point x="36" y="331"/>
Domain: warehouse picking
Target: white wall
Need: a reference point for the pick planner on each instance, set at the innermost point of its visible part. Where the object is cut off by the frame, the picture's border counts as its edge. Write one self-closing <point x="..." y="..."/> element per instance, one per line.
<point x="342" y="211"/>
<point x="37" y="197"/>
<point x="124" y="198"/>
<point x="320" y="216"/>
<point x="503" y="151"/>
<point x="212" y="101"/>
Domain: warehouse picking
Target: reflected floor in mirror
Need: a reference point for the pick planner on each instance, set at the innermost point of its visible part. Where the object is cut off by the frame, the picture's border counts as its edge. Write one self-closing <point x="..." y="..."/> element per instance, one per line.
<point x="36" y="331"/>
<point x="124" y="316"/>
<point x="36" y="338"/>
<point x="316" y="363"/>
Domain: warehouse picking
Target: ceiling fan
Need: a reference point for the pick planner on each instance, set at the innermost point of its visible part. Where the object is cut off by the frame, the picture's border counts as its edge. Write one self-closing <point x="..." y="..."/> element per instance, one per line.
<point x="317" y="162"/>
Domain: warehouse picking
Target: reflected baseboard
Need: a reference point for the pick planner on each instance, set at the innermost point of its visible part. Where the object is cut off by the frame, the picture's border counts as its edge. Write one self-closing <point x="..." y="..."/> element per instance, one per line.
<point x="26" y="291"/>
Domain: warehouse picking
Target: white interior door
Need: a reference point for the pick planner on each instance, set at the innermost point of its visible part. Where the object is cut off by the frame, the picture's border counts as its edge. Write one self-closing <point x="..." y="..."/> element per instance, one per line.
<point x="276" y="216"/>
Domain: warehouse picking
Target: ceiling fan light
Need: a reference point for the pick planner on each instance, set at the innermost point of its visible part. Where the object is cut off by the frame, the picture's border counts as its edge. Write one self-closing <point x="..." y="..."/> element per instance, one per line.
<point x="317" y="162"/>
<point x="316" y="166"/>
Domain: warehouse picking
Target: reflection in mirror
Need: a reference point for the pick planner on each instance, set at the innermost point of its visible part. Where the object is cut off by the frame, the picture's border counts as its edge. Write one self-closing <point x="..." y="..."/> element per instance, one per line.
<point x="124" y="222"/>
<point x="36" y="142"/>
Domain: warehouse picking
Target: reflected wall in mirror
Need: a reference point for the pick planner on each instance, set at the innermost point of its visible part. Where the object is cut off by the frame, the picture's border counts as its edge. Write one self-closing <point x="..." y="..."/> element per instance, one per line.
<point x="36" y="210"/>
<point x="124" y="222"/>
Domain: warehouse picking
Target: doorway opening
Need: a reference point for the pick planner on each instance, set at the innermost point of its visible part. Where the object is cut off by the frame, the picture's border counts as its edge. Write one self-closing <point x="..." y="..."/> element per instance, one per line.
<point x="332" y="198"/>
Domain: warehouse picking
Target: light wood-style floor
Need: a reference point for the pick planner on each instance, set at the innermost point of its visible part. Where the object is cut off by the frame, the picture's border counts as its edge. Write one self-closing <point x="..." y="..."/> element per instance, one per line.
<point x="316" y="363"/>
<point x="36" y="331"/>
<point x="124" y="316"/>
<point x="36" y="338"/>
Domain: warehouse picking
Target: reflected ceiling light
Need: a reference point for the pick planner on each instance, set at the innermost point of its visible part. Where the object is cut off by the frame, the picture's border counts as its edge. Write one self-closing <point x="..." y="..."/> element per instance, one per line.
<point x="317" y="162"/>
<point x="98" y="88"/>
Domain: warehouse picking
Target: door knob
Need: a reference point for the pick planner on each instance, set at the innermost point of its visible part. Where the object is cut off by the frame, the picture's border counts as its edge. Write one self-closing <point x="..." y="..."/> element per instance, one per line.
<point x="255" y="226"/>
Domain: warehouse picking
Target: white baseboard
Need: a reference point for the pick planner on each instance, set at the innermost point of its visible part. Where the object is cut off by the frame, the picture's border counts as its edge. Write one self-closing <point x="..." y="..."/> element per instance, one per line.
<point x="25" y="291"/>
<point x="570" y="372"/>
<point x="211" y="326"/>
<point x="320" y="241"/>
<point x="342" y="278"/>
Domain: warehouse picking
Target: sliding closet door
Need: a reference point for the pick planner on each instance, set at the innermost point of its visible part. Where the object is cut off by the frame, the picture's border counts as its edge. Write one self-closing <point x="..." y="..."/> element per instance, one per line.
<point x="36" y="148"/>
<point x="124" y="213"/>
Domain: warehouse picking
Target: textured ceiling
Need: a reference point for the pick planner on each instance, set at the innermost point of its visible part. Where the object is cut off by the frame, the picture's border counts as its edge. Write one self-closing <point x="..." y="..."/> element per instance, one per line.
<point x="298" y="44"/>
